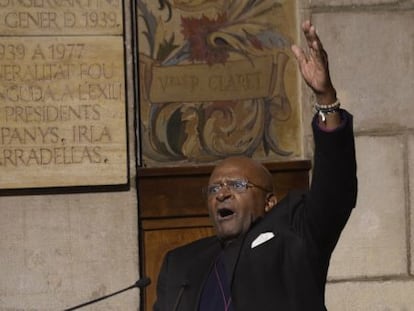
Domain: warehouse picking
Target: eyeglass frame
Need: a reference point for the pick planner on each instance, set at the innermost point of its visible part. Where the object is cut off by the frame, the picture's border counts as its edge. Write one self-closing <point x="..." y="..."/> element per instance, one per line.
<point x="243" y="182"/>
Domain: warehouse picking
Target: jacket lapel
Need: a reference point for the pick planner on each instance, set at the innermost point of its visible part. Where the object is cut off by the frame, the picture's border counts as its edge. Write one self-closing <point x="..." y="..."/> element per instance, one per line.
<point x="232" y="258"/>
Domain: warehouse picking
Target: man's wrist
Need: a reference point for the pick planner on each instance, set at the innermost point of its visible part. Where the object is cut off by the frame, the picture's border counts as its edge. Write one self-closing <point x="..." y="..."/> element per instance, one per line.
<point x="326" y="98"/>
<point x="324" y="110"/>
<point x="329" y="116"/>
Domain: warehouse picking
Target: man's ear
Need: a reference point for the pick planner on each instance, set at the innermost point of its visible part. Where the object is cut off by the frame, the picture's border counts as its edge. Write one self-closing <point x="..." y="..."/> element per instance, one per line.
<point x="271" y="201"/>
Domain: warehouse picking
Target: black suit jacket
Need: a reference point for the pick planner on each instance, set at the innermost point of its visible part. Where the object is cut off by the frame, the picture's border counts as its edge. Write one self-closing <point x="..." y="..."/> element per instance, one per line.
<point x="282" y="261"/>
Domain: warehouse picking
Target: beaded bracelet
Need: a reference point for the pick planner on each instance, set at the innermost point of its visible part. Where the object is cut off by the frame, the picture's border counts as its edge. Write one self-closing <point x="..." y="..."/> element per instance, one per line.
<point x="324" y="110"/>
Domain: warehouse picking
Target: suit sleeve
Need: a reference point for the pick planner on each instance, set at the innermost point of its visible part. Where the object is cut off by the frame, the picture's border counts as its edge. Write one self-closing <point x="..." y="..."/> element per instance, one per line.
<point x="333" y="189"/>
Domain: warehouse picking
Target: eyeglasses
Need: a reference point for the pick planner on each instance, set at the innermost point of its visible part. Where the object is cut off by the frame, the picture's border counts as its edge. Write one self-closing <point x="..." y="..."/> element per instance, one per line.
<point x="234" y="185"/>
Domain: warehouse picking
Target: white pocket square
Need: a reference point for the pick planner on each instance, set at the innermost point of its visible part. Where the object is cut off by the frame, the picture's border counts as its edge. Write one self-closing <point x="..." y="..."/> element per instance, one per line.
<point x="263" y="237"/>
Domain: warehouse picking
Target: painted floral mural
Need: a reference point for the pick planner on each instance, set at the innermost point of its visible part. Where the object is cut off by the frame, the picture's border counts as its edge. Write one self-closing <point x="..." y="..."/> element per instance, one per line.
<point x="213" y="78"/>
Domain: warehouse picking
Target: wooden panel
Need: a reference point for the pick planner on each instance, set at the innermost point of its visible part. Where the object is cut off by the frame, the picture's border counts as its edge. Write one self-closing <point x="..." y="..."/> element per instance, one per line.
<point x="158" y="243"/>
<point x="168" y="196"/>
<point x="173" y="210"/>
<point x="175" y="192"/>
<point x="170" y="223"/>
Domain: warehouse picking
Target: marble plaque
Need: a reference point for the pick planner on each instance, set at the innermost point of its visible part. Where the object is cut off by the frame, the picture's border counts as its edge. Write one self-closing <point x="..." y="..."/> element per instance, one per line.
<point x="62" y="94"/>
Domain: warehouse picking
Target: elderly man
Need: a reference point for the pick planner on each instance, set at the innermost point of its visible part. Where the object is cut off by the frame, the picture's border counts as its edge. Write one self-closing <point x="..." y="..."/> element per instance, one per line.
<point x="270" y="255"/>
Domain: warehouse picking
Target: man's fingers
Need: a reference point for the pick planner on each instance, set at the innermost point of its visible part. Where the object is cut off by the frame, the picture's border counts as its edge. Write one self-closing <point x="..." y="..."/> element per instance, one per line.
<point x="315" y="48"/>
<point x="311" y="36"/>
<point x="299" y="54"/>
<point x="309" y="32"/>
<point x="319" y="52"/>
<point x="306" y="25"/>
<point x="315" y="51"/>
<point x="314" y="44"/>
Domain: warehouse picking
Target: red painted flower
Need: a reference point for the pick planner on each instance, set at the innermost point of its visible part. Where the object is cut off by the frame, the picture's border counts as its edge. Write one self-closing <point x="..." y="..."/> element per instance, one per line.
<point x="196" y="32"/>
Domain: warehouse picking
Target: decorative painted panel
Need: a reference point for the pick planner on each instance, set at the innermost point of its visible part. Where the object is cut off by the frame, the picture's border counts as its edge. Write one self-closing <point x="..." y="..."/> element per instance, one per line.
<point x="216" y="78"/>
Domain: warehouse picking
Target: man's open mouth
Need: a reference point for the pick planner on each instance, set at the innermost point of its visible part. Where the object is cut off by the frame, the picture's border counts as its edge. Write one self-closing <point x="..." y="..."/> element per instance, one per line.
<point x="225" y="213"/>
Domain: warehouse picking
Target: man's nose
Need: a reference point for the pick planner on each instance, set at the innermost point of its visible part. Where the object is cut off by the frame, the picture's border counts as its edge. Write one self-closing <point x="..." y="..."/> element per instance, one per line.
<point x="224" y="194"/>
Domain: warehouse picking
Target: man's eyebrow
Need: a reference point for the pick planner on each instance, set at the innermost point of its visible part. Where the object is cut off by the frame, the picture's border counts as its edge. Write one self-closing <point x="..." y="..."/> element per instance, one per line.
<point x="220" y="180"/>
